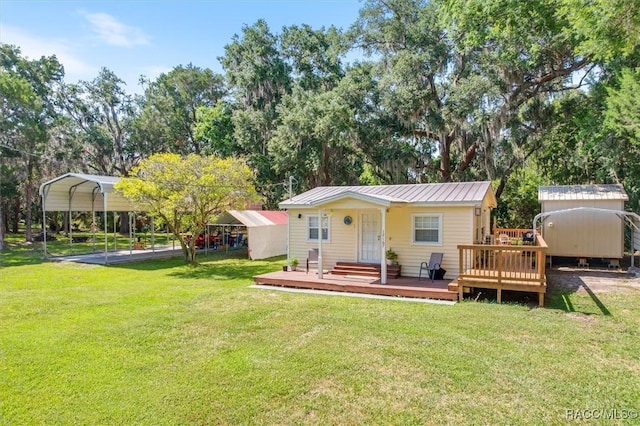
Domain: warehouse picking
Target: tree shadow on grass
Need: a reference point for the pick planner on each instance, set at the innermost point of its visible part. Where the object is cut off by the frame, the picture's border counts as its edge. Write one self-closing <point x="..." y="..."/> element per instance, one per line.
<point x="224" y="269"/>
<point x="562" y="284"/>
<point x="217" y="266"/>
<point x="20" y="254"/>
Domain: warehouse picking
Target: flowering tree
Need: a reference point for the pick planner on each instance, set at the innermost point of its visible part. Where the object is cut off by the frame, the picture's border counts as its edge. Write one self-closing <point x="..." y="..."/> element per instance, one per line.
<point x="187" y="192"/>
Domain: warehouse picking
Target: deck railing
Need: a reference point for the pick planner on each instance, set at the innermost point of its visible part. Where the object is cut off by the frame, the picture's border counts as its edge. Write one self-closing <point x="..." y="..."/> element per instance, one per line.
<point x="514" y="262"/>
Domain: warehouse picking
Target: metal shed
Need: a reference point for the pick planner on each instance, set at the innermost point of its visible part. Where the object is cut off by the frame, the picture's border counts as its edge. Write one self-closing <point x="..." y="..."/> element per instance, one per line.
<point x="266" y="230"/>
<point x="586" y="223"/>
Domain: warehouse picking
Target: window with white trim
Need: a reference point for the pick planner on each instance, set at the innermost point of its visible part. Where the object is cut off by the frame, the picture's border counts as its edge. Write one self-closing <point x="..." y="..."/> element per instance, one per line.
<point x="313" y="228"/>
<point x="427" y="228"/>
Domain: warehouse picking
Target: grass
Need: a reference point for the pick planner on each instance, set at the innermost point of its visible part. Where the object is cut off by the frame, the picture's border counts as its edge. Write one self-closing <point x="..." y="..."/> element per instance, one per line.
<point x="162" y="343"/>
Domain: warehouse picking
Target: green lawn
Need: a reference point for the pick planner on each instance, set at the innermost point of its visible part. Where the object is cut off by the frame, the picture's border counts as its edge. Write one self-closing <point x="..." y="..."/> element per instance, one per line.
<point x="160" y="343"/>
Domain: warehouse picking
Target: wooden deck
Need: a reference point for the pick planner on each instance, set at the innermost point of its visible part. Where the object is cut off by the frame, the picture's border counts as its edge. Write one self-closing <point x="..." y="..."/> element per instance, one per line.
<point x="506" y="266"/>
<point x="403" y="286"/>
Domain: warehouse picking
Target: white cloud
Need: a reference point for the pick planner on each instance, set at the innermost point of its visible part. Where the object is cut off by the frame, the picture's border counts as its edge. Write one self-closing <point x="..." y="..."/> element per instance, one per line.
<point x="34" y="47"/>
<point x="115" y="33"/>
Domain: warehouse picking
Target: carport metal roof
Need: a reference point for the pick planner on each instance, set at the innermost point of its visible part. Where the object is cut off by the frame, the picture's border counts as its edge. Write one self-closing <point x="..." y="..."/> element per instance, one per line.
<point x="82" y="192"/>
<point x="252" y="218"/>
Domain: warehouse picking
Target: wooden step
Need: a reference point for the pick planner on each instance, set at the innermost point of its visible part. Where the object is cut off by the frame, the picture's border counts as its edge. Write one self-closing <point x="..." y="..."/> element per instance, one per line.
<point x="365" y="269"/>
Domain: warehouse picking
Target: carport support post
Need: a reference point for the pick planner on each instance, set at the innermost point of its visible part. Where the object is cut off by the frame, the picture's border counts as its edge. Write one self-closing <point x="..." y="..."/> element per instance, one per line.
<point x="383" y="239"/>
<point x="106" y="235"/>
<point x="153" y="237"/>
<point x="44" y="221"/>
<point x="320" y="267"/>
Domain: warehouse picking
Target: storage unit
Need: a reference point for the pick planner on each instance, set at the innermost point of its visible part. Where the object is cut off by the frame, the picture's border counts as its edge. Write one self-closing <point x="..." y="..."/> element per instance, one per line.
<point x="588" y="223"/>
<point x="266" y="230"/>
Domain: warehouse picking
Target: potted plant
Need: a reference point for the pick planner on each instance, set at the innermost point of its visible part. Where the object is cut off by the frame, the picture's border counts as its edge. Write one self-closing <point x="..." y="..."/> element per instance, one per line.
<point x="293" y="263"/>
<point x="391" y="256"/>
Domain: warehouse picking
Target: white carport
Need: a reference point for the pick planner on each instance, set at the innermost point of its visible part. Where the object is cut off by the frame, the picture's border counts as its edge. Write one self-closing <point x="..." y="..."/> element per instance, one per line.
<point x="75" y="192"/>
<point x="266" y="230"/>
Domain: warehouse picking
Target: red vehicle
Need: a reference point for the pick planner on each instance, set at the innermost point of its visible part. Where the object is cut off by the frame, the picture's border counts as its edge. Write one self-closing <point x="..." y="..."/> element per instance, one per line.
<point x="202" y="239"/>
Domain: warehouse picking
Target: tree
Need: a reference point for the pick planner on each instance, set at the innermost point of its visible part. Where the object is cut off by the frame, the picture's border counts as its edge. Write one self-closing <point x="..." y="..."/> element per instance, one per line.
<point x="258" y="77"/>
<point x="171" y="103"/>
<point x="315" y="140"/>
<point x="605" y="29"/>
<point x="214" y="127"/>
<point x="27" y="109"/>
<point x="186" y="193"/>
<point x="103" y="113"/>
<point x="459" y="74"/>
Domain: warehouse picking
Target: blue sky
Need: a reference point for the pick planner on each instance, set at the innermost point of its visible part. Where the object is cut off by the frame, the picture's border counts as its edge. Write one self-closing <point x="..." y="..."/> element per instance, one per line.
<point x="150" y="36"/>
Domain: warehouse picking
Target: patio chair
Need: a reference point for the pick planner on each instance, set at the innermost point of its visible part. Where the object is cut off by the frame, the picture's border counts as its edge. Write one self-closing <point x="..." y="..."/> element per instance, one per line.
<point x="432" y="266"/>
<point x="504" y="239"/>
<point x="312" y="257"/>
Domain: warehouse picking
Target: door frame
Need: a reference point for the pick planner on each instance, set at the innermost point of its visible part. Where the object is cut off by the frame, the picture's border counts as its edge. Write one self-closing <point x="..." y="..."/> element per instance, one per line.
<point x="360" y="241"/>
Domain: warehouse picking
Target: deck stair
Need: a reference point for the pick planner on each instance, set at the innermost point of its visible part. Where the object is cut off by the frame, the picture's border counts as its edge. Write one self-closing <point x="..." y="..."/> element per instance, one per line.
<point x="365" y="269"/>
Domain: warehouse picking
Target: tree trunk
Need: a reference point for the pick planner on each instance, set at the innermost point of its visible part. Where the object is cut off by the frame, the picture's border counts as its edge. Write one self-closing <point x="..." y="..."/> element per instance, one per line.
<point x="15" y="220"/>
<point x="445" y="158"/>
<point x="28" y="199"/>
<point x="1" y="224"/>
<point x="124" y="223"/>
<point x="65" y="223"/>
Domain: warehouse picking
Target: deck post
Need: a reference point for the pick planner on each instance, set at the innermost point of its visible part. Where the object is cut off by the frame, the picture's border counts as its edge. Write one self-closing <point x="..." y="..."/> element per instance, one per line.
<point x="500" y="253"/>
<point x="320" y="267"/>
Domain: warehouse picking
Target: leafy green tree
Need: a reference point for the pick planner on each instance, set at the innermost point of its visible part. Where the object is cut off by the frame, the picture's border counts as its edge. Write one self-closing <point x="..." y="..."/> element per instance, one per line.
<point x="169" y="116"/>
<point x="519" y="202"/>
<point x="27" y="111"/>
<point x="103" y="113"/>
<point x="315" y="140"/>
<point x="605" y="29"/>
<point x="258" y="77"/>
<point x="186" y="193"/>
<point x="622" y="121"/>
<point x="459" y="74"/>
<point x="214" y="127"/>
<point x="314" y="56"/>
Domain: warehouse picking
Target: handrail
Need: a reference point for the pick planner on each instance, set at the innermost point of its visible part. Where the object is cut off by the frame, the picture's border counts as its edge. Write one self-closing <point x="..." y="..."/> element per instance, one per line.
<point x="498" y="263"/>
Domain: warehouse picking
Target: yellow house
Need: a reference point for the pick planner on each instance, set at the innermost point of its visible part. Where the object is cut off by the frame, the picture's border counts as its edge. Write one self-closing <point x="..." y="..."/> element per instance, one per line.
<point x="360" y="223"/>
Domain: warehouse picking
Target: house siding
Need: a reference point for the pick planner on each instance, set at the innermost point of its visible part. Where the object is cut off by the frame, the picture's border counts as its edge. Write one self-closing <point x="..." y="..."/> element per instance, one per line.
<point x="343" y="239"/>
<point x="459" y="223"/>
<point x="457" y="228"/>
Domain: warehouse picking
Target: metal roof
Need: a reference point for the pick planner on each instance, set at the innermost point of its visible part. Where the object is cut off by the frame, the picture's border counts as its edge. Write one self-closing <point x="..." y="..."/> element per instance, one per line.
<point x="253" y="218"/>
<point x="582" y="192"/>
<point x="82" y="192"/>
<point x="453" y="193"/>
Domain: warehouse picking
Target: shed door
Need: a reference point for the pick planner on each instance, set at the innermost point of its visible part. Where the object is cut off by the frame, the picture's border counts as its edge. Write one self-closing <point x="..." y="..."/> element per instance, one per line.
<point x="369" y="238"/>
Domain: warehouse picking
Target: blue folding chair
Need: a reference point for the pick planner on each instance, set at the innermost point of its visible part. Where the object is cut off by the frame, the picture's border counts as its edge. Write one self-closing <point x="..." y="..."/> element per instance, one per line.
<point x="432" y="266"/>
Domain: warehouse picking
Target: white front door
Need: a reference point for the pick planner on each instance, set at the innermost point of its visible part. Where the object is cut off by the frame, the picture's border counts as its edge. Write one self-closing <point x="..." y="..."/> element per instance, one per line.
<point x="369" y="238"/>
